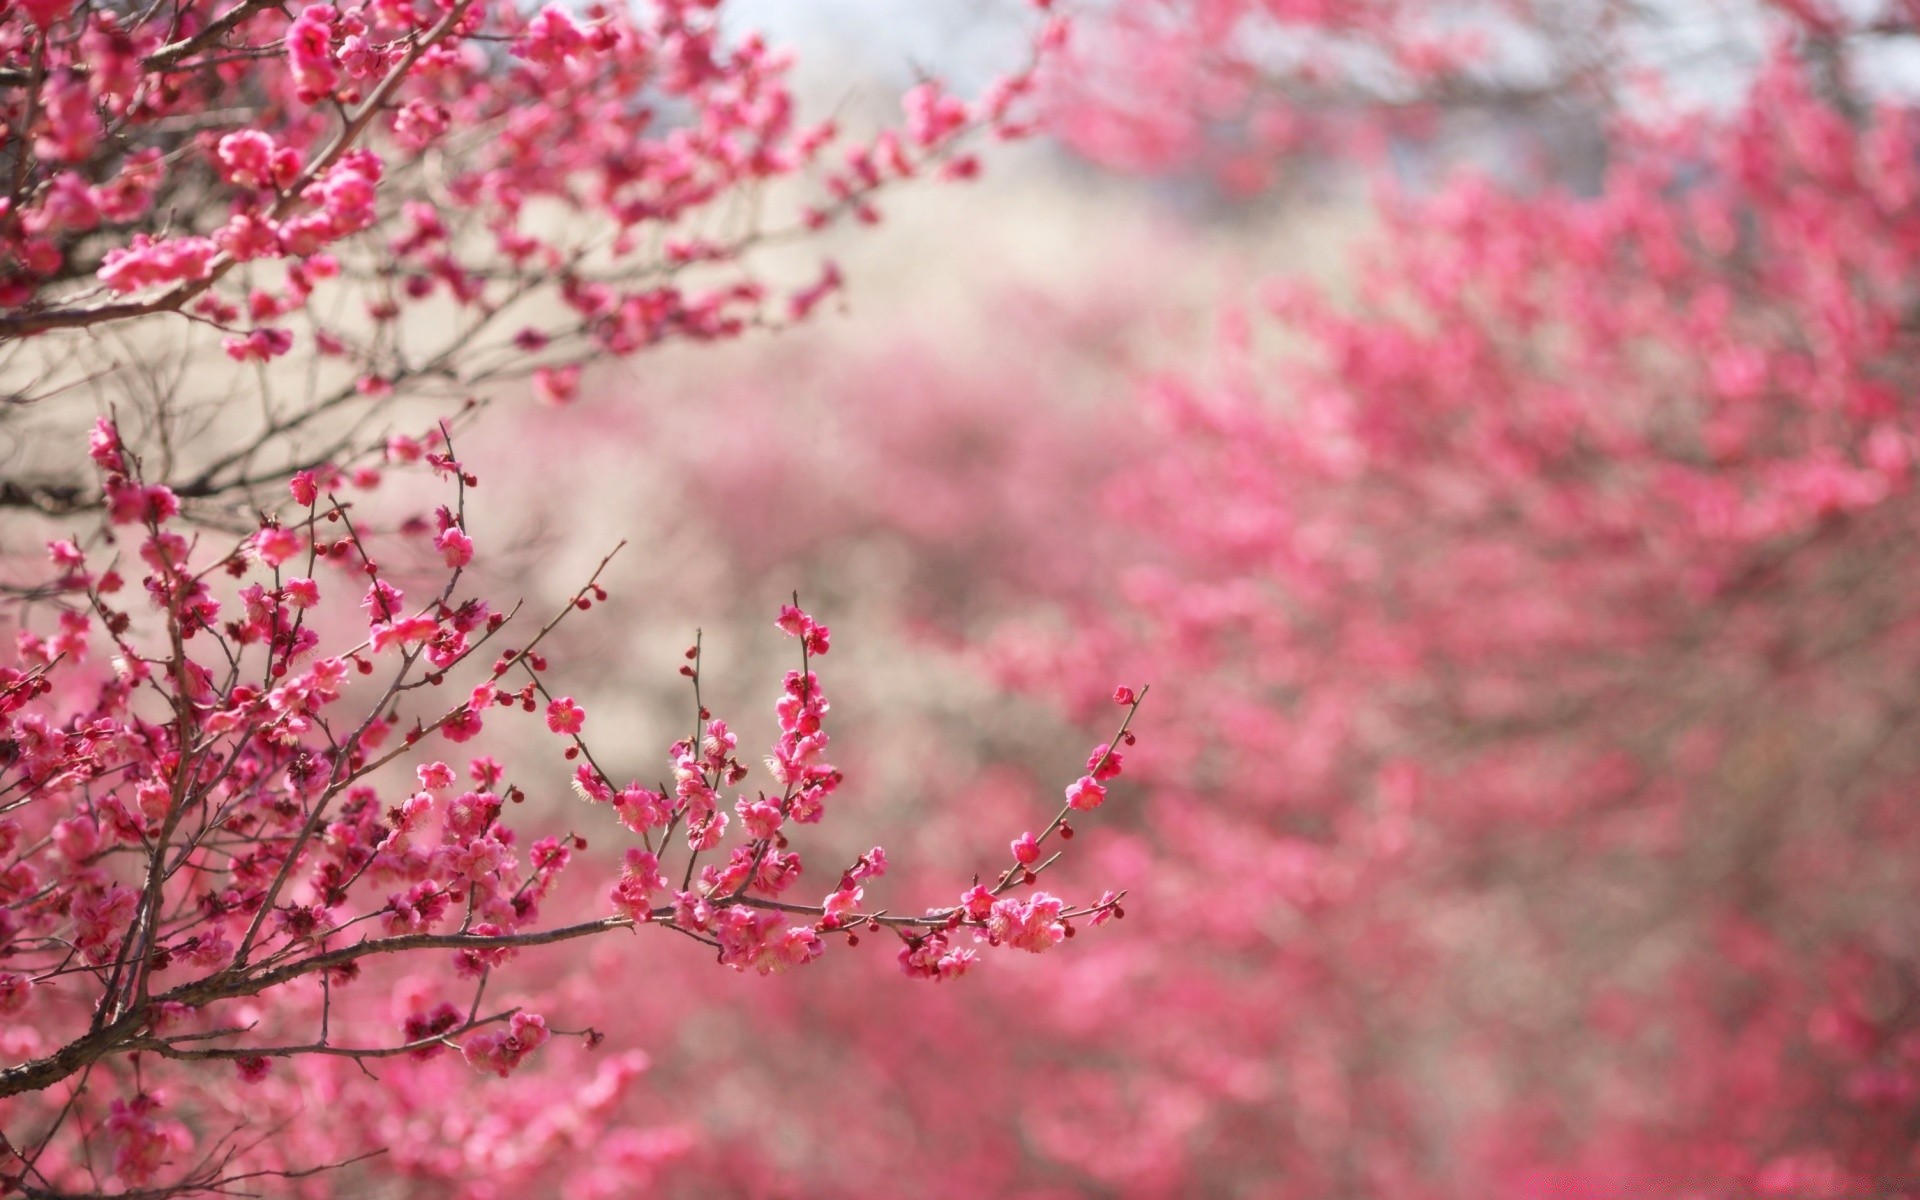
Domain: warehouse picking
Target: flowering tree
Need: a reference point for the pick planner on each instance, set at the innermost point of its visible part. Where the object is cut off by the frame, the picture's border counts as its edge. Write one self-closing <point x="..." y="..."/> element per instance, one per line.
<point x="225" y="801"/>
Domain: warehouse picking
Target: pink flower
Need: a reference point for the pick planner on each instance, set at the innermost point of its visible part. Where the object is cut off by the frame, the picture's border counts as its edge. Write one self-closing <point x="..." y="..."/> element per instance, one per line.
<point x="564" y="716"/>
<point x="705" y="832"/>
<point x="551" y="38"/>
<point x="145" y="263"/>
<point x="762" y="941"/>
<point x="1105" y="763"/>
<point x="276" y="544"/>
<point x="454" y="546"/>
<point x="305" y="490"/>
<point x="640" y="881"/>
<point x="71" y="205"/>
<point x="500" y="1051"/>
<point x="261" y="345"/>
<point x="246" y="237"/>
<point x="641" y="809"/>
<point x="128" y="503"/>
<point x="471" y="813"/>
<point x="1083" y="793"/>
<point x="301" y="592"/>
<point x="77" y="838"/>
<point x="931" y="956"/>
<point x="761" y="817"/>
<point x="103" y="446"/>
<point x="100" y="917"/>
<point x="933" y="115"/>
<point x="1026" y="849"/>
<point x="977" y="902"/>
<point x="843" y="902"/>
<point x="361" y="57"/>
<point x="871" y="865"/>
<point x="250" y="158"/>
<point x="795" y="623"/>
<point x="1033" y="925"/>
<point x="408" y="631"/>
<point x="479" y="861"/>
<point x="71" y="123"/>
<point x="589" y="786"/>
<point x="142" y="1145"/>
<point x="309" y="42"/>
<point x="420" y="123"/>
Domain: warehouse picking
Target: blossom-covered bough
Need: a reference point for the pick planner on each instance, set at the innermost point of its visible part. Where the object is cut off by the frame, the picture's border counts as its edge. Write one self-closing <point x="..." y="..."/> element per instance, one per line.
<point x="410" y="198"/>
<point x="284" y="251"/>
<point x="214" y="818"/>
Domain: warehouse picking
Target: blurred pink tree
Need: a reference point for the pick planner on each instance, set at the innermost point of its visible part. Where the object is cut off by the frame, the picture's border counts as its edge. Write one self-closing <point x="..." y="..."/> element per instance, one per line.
<point x="1537" y="631"/>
